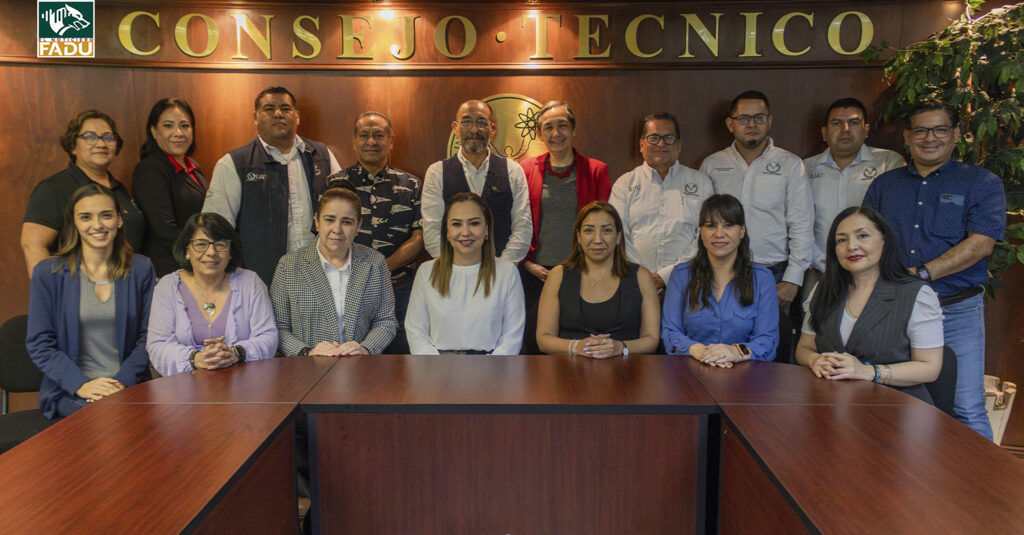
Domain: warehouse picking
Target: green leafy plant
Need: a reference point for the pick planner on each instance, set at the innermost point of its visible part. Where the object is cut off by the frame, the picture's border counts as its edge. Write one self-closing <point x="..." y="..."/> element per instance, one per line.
<point x="977" y="65"/>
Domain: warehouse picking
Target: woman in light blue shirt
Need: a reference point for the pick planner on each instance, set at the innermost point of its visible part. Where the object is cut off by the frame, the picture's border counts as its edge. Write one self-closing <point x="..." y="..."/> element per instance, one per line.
<point x="720" y="307"/>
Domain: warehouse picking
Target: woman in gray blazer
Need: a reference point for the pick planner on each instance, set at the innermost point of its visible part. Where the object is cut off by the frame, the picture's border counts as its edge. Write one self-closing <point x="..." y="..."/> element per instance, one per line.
<point x="333" y="297"/>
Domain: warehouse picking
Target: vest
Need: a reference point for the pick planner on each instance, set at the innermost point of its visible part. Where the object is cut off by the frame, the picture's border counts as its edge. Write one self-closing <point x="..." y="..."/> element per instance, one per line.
<point x="880" y="334"/>
<point x="497" y="193"/>
<point x="262" y="222"/>
<point x="571" y="323"/>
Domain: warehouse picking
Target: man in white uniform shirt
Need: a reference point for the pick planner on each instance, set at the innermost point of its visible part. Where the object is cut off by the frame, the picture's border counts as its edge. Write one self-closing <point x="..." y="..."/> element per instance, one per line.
<point x="659" y="201"/>
<point x="840" y="176"/>
<point x="268" y="188"/>
<point x="500" y="181"/>
<point x="772" y="187"/>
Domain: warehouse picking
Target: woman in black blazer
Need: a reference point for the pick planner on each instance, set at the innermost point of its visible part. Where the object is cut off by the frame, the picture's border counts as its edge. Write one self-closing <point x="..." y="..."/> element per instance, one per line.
<point x="168" y="185"/>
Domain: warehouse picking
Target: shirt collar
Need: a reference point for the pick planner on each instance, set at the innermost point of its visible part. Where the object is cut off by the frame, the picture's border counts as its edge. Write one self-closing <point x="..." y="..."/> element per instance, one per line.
<point x="360" y="169"/>
<point x="327" y="265"/>
<point x="465" y="162"/>
<point x="767" y="148"/>
<point x="862" y="155"/>
<point x="671" y="170"/>
<point x="297" y="147"/>
<point x="912" y="168"/>
<point x="188" y="167"/>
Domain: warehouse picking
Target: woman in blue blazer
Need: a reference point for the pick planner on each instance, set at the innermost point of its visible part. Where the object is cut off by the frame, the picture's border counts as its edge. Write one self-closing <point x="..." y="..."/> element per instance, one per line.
<point x="89" y="307"/>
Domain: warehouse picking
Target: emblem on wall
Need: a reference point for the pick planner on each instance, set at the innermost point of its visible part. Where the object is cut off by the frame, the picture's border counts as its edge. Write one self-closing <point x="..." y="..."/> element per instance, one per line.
<point x="65" y="29"/>
<point x="516" y="117"/>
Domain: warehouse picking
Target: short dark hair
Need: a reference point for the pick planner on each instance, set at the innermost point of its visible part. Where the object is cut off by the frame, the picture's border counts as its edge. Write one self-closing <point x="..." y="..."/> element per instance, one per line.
<point x="340" y="190"/>
<point x="557" y="104"/>
<point x="355" y="124"/>
<point x="659" y="116"/>
<point x="848" y="102"/>
<point x="749" y="95"/>
<point x="70" y="136"/>
<point x="217" y="228"/>
<point x="159" y="108"/>
<point x="931" y="104"/>
<point x="274" y="90"/>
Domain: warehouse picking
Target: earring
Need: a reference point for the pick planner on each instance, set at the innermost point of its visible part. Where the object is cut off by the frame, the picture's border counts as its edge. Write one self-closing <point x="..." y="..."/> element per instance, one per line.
<point x="186" y="256"/>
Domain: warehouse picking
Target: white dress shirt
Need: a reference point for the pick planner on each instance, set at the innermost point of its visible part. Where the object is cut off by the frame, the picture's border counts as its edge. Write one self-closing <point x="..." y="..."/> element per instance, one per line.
<point x="466" y="320"/>
<point x="835" y="190"/>
<point x="776" y="201"/>
<point x="432" y="206"/>
<point x="660" y="217"/>
<point x="225" y="194"/>
<point x="337" y="278"/>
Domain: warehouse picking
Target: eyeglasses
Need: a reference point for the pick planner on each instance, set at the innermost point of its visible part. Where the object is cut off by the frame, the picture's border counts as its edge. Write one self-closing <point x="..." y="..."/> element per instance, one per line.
<point x="91" y="138"/>
<point x="744" y="120"/>
<point x="480" y="123"/>
<point x="941" y="132"/>
<point x="200" y="245"/>
<point x="654" y="139"/>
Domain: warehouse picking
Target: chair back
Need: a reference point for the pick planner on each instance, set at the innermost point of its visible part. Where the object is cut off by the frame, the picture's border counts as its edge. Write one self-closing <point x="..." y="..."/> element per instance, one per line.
<point x="17" y="371"/>
<point x="943" y="389"/>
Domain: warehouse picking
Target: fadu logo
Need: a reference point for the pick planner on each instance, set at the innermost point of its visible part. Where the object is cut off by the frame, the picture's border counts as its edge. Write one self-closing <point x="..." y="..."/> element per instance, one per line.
<point x="65" y="29"/>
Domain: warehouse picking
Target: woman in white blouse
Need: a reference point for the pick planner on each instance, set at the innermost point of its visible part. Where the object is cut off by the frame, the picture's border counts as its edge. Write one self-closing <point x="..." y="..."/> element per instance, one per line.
<point x="466" y="300"/>
<point x="869" y="318"/>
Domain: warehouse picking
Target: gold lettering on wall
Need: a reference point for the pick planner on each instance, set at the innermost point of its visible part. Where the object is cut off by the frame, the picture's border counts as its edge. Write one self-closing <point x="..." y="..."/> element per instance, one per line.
<point x="867" y="32"/>
<point x="711" y="41"/>
<point x="408" y="46"/>
<point x="589" y="37"/>
<point x="306" y="36"/>
<point x="124" y="32"/>
<point x="750" y="36"/>
<point x="441" y="36"/>
<point x="349" y="38"/>
<point x="541" y="23"/>
<point x="631" y="35"/>
<point x="262" y="41"/>
<point x="181" y="35"/>
<point x="779" y="33"/>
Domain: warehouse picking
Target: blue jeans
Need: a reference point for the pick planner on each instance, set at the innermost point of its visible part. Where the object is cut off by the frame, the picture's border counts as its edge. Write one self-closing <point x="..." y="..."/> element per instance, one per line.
<point x="963" y="327"/>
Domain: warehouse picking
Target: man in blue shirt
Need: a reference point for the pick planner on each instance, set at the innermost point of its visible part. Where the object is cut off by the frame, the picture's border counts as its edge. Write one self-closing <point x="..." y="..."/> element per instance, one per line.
<point x="947" y="217"/>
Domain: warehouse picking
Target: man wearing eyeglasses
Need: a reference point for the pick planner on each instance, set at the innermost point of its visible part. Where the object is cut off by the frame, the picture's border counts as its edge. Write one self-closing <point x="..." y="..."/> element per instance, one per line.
<point x="659" y="201"/>
<point x="500" y="181"/>
<point x="771" y="184"/>
<point x="840" y="176"/>
<point x="268" y="187"/>
<point x="390" y="220"/>
<point x="947" y="217"/>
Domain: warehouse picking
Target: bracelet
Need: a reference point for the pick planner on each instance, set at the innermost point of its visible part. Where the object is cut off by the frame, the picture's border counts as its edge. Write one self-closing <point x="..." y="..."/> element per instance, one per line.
<point x="888" y="375"/>
<point x="192" y="359"/>
<point x="572" y="347"/>
<point x="875" y="366"/>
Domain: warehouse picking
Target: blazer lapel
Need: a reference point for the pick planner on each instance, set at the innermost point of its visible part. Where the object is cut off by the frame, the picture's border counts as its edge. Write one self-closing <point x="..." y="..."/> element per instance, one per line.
<point x="314" y="278"/>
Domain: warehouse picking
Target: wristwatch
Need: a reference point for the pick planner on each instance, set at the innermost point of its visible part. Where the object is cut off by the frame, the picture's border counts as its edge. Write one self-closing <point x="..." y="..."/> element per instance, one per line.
<point x="923" y="273"/>
<point x="305" y="351"/>
<point x="239" y="352"/>
<point x="625" y="349"/>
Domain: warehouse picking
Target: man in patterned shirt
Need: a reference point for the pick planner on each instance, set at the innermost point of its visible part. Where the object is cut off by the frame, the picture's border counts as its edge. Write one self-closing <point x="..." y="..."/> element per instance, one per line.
<point x="391" y="209"/>
<point x="947" y="216"/>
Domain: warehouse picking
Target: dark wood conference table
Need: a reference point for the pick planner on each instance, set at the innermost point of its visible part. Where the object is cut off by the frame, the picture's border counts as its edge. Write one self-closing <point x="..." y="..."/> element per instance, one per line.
<point x="526" y="444"/>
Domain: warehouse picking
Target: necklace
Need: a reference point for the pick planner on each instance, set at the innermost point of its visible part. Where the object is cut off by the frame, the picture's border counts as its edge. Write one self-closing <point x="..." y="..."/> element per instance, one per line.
<point x="209" y="306"/>
<point x="210" y="309"/>
<point x="558" y="174"/>
<point x="88" y="276"/>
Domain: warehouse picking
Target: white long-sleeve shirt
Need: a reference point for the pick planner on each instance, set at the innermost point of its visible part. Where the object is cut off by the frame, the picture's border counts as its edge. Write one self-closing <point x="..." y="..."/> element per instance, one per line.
<point x="432" y="206"/>
<point x="225" y="194"/>
<point x="835" y="190"/>
<point x="660" y="217"/>
<point x="466" y="320"/>
<point x="776" y="201"/>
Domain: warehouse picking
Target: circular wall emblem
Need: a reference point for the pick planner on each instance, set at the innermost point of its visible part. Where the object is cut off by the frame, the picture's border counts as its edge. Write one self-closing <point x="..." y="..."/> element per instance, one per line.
<point x="516" y="117"/>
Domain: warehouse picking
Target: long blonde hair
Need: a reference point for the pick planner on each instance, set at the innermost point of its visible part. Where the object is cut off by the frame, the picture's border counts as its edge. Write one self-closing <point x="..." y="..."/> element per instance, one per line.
<point x="441" y="273"/>
<point x="119" y="265"/>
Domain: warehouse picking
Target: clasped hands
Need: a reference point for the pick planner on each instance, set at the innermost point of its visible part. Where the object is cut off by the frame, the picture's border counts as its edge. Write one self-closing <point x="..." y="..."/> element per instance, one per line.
<point x="836" y="366"/>
<point x="335" y="349"/>
<point x="600" y="346"/>
<point x="721" y="355"/>
<point x="214" y="355"/>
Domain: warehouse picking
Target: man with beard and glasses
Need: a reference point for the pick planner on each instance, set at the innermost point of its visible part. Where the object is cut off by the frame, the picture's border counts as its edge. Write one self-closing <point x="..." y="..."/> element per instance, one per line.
<point x="268" y="188"/>
<point x="500" y="181"/>
<point x="771" y="184"/>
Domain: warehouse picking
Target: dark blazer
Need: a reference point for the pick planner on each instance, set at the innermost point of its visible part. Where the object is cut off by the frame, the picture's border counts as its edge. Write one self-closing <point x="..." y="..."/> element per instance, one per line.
<point x="167" y="198"/>
<point x="53" y="335"/>
<point x="880" y="334"/>
<point x="304" y="305"/>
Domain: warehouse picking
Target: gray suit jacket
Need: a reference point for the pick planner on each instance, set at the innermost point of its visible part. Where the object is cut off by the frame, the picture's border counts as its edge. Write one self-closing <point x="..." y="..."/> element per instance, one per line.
<point x="304" y="306"/>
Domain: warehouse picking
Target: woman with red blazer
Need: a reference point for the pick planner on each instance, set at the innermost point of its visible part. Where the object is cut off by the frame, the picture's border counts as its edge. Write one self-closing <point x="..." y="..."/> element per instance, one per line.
<point x="561" y="182"/>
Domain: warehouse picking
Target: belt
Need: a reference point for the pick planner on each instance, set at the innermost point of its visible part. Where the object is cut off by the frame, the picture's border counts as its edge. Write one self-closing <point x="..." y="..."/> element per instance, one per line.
<point x="960" y="296"/>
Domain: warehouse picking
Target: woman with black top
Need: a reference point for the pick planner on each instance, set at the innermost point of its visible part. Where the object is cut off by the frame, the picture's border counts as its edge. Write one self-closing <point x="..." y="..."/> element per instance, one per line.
<point x="597" y="304"/>
<point x="168" y="185"/>
<point x="92" y="142"/>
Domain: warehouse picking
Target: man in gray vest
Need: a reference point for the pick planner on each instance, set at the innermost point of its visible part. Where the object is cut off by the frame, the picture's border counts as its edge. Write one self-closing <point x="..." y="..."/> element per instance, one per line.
<point x="500" y="181"/>
<point x="268" y="188"/>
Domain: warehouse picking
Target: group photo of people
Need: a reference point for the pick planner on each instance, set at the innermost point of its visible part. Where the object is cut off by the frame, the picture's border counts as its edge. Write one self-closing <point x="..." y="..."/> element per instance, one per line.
<point x="856" y="263"/>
